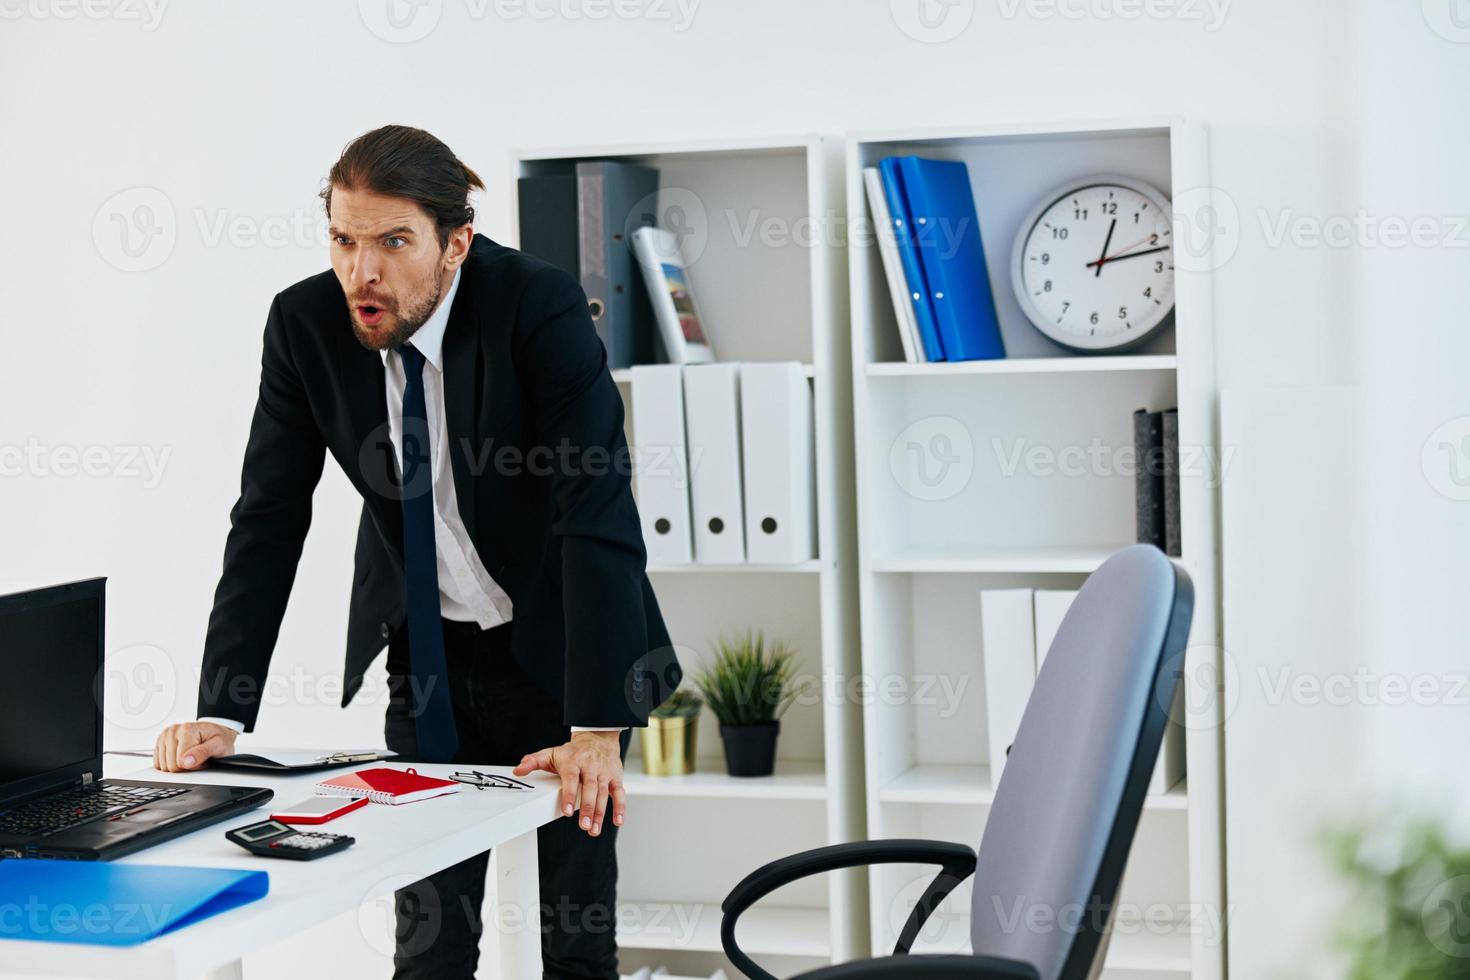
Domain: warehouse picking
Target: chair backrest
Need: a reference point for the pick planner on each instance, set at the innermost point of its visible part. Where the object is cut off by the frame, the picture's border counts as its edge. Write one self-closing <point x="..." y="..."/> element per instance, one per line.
<point x="1068" y="803"/>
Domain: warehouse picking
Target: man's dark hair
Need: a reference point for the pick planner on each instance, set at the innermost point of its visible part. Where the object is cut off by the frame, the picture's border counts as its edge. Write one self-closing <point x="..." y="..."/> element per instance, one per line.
<point x="402" y="161"/>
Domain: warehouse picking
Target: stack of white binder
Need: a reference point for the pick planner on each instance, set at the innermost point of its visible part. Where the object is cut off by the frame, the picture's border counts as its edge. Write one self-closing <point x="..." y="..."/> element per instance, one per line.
<point x="1017" y="629"/>
<point x="724" y="461"/>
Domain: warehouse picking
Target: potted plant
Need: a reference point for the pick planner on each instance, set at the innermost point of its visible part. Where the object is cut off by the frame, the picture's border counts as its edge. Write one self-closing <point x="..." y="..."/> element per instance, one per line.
<point x="1409" y="916"/>
<point x="668" y="741"/>
<point x="749" y="687"/>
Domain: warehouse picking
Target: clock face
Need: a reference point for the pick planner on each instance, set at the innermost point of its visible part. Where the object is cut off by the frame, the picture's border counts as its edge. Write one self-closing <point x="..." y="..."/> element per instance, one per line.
<point x="1093" y="265"/>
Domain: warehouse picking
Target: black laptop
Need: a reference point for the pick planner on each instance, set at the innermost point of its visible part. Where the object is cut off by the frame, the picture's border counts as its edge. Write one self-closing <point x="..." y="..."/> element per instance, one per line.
<point x="54" y="802"/>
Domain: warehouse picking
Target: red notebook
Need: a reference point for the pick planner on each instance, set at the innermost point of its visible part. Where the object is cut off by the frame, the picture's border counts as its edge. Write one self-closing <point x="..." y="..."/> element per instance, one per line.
<point x="392" y="786"/>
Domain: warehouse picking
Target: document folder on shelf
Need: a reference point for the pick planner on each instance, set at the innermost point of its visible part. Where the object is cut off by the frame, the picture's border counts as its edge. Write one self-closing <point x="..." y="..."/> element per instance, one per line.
<point x="946" y="235"/>
<point x="1008" y="638"/>
<point x="660" y="472"/>
<point x="712" y="420"/>
<point x="116" y="904"/>
<point x="613" y="199"/>
<point x="777" y="442"/>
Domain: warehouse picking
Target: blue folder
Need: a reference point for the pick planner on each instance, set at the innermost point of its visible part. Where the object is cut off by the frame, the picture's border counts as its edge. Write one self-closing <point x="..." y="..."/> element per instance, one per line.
<point x="947" y="235"/>
<point x="115" y="904"/>
<point x="913" y="272"/>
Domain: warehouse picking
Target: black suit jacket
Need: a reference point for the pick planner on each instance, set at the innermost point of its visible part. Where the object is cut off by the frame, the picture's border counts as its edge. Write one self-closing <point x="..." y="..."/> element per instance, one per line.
<point x="541" y="472"/>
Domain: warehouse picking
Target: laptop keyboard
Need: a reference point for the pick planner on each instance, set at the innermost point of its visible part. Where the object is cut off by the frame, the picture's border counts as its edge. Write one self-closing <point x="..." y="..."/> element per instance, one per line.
<point x="43" y="817"/>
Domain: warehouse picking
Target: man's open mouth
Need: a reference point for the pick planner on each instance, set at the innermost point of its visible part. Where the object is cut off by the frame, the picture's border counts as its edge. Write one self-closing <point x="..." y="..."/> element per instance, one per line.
<point x="369" y="313"/>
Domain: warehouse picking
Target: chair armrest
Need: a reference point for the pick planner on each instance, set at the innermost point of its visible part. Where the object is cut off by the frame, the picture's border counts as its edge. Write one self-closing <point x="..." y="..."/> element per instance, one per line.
<point x="956" y="861"/>
<point x="924" y="967"/>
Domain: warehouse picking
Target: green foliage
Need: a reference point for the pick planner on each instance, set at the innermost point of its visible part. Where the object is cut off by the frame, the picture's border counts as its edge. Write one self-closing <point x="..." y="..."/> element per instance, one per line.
<point x="1410" y="915"/>
<point x="683" y="703"/>
<point x="748" y="683"/>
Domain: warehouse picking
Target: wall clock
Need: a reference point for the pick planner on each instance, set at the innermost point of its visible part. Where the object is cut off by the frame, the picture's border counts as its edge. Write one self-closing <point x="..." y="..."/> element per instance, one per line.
<point x="1093" y="263"/>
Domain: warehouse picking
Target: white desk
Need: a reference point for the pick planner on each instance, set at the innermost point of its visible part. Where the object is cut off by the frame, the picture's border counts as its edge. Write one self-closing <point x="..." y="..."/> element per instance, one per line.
<point x="395" y="845"/>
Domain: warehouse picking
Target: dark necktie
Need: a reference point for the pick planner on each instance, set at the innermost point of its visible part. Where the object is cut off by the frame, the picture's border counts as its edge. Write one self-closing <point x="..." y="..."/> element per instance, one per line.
<point x="434" y="718"/>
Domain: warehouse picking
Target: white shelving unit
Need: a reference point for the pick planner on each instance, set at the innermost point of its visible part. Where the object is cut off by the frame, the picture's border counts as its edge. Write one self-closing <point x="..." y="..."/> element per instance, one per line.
<point x="924" y="555"/>
<point x="770" y="279"/>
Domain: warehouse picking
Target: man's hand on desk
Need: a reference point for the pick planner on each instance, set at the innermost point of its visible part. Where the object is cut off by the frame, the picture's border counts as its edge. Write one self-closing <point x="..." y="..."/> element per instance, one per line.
<point x="190" y="744"/>
<point x="592" y="763"/>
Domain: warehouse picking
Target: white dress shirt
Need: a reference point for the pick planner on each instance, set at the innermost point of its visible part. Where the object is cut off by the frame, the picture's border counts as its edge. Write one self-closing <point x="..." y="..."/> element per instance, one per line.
<point x="467" y="592"/>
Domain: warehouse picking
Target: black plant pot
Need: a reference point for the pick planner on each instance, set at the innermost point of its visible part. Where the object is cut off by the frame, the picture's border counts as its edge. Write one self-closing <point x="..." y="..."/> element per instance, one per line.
<point x="750" y="750"/>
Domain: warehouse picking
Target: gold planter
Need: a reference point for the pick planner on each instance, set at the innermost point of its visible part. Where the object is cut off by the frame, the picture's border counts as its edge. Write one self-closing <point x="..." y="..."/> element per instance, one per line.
<point x="668" y="745"/>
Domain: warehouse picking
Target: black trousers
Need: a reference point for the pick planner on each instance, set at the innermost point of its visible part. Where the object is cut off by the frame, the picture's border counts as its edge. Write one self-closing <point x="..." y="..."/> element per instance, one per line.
<point x="501" y="715"/>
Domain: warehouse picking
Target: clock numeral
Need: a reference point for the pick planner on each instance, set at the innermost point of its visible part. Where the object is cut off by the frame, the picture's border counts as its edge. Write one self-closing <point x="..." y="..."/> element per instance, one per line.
<point x="1108" y="207"/>
<point x="1148" y="291"/>
<point x="1046" y="286"/>
<point x="1158" y="267"/>
<point x="1079" y="214"/>
<point x="1092" y="319"/>
<point x="1059" y="233"/>
<point x="1122" y="313"/>
<point x="1045" y="258"/>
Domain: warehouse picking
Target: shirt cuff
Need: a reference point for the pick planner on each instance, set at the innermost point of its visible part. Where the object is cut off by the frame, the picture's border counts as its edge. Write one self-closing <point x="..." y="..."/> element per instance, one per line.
<point x="238" y="726"/>
<point x="579" y="728"/>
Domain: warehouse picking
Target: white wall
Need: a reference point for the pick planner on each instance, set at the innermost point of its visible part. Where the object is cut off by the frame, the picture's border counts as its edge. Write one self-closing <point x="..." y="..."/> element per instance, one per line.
<point x="228" y="115"/>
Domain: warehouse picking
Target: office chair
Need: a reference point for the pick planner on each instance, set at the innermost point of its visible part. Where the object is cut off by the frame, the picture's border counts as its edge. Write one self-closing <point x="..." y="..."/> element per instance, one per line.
<point x="1067" y="805"/>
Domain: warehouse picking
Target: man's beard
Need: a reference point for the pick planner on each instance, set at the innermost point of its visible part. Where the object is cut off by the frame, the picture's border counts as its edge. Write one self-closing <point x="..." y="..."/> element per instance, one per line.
<point x="407" y="322"/>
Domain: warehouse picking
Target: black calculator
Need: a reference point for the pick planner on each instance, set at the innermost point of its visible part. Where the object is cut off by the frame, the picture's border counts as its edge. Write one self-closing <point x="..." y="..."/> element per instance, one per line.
<point x="271" y="838"/>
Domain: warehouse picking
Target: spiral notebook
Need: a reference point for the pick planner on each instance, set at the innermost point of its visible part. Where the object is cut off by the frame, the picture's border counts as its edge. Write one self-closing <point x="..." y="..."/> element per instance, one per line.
<point x="383" y="785"/>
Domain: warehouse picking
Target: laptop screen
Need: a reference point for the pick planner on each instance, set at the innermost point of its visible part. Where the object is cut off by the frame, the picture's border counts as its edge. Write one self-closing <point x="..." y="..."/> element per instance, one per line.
<point x="50" y="652"/>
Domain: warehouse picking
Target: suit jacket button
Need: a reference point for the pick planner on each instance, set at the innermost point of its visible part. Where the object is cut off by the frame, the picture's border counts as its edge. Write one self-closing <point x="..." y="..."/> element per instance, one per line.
<point x="385" y="632"/>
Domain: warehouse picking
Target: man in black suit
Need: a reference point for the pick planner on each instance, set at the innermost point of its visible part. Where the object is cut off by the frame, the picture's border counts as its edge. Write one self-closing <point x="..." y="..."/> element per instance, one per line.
<point x="463" y="390"/>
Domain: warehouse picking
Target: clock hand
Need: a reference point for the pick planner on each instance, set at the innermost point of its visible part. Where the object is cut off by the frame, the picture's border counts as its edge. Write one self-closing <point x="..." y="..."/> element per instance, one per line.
<point x="1128" y="255"/>
<point x="1101" y="258"/>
